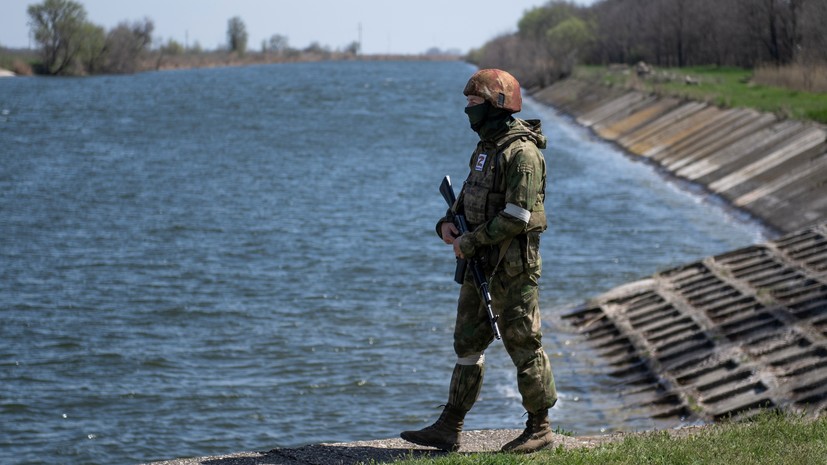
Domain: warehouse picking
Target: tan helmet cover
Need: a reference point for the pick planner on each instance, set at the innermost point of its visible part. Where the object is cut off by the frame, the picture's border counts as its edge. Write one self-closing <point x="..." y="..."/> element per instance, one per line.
<point x="497" y="87"/>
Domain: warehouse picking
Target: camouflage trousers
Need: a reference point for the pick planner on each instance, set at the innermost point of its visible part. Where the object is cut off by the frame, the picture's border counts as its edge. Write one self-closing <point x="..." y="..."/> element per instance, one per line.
<point x="515" y="300"/>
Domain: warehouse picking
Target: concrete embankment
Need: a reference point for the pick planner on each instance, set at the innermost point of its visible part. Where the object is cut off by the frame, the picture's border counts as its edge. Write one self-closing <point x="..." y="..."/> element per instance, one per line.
<point x="741" y="331"/>
<point x="774" y="169"/>
<point x="723" y="336"/>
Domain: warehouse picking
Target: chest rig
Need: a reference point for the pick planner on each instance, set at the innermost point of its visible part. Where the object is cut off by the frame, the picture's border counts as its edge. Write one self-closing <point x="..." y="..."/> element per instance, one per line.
<point x="483" y="194"/>
<point x="483" y="198"/>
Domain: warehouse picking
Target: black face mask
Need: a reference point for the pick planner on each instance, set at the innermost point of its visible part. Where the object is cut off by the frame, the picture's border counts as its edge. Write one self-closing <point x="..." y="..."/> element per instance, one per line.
<point x="477" y="115"/>
<point x="486" y="120"/>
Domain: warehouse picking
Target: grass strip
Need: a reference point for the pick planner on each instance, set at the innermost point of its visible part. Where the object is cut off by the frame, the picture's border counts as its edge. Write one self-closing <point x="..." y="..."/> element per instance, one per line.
<point x="768" y="439"/>
<point x="724" y="87"/>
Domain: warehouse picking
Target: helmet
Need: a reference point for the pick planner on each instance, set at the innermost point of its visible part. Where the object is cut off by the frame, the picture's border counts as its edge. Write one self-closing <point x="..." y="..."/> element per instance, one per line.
<point x="496" y="86"/>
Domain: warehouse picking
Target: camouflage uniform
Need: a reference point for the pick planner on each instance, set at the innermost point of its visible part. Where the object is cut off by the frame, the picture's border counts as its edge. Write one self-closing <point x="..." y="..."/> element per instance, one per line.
<point x="502" y="201"/>
<point x="506" y="172"/>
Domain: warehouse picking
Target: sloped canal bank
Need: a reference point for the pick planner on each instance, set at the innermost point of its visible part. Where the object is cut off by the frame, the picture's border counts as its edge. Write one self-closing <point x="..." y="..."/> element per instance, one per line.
<point x="724" y="336"/>
<point x="740" y="331"/>
<point x="774" y="169"/>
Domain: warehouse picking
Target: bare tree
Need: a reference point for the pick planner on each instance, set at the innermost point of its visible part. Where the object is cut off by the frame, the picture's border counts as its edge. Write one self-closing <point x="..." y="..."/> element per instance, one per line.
<point x="713" y="24"/>
<point x="811" y="26"/>
<point x="771" y="24"/>
<point x="625" y="31"/>
<point x="677" y="21"/>
<point x="528" y="60"/>
<point x="690" y="32"/>
<point x="125" y="45"/>
<point x="353" y="48"/>
<point x="278" y="43"/>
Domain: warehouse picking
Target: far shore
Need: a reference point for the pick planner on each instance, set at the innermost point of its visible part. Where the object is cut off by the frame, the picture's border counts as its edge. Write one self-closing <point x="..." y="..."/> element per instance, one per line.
<point x="24" y="63"/>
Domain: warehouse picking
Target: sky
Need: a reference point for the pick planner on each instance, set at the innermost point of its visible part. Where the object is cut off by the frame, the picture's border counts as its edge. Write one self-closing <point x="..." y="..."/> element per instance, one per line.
<point x="385" y="26"/>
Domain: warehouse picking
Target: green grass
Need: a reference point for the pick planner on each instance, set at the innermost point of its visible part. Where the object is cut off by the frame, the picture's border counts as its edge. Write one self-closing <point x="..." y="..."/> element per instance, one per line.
<point x="725" y="87"/>
<point x="769" y="439"/>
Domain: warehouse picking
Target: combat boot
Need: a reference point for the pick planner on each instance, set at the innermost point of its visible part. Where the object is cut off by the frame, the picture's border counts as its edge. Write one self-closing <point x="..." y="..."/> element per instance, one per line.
<point x="443" y="434"/>
<point x="537" y="435"/>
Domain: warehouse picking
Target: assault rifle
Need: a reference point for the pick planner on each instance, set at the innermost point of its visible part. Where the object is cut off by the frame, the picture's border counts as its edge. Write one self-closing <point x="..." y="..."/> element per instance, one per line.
<point x="447" y="192"/>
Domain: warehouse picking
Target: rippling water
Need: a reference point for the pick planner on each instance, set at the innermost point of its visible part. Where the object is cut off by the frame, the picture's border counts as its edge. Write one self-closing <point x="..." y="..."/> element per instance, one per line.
<point x="207" y="261"/>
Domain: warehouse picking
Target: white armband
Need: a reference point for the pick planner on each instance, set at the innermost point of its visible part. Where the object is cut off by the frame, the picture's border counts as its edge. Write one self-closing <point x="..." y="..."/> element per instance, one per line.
<point x="517" y="212"/>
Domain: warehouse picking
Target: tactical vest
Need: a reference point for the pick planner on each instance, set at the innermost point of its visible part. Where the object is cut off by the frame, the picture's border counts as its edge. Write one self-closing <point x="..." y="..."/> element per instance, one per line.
<point x="483" y="197"/>
<point x="483" y="194"/>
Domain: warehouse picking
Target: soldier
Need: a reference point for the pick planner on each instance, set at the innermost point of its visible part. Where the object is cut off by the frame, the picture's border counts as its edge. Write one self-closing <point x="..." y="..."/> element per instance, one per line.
<point x="502" y="200"/>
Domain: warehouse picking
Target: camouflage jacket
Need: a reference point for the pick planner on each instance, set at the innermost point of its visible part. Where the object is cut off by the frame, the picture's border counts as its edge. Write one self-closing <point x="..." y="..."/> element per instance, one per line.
<point x="503" y="196"/>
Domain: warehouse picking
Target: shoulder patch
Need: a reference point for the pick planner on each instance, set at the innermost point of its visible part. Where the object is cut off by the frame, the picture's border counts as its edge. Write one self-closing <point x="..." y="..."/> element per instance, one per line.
<point x="481" y="161"/>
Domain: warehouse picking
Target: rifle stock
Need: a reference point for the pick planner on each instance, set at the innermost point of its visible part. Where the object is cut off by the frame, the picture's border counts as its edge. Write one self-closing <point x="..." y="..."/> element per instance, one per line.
<point x="447" y="191"/>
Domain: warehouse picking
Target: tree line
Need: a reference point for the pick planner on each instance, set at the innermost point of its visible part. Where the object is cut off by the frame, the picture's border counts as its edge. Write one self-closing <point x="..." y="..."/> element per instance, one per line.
<point x="69" y="44"/>
<point x="551" y="39"/>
